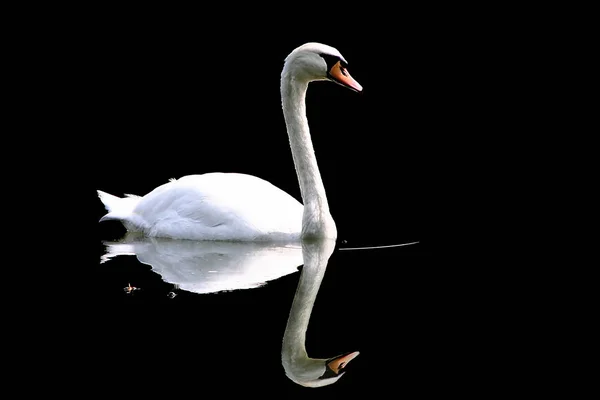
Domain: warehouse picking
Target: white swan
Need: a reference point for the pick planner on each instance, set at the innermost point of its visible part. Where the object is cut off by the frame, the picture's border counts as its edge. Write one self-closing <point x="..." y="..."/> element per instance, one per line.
<point x="229" y="206"/>
<point x="298" y="366"/>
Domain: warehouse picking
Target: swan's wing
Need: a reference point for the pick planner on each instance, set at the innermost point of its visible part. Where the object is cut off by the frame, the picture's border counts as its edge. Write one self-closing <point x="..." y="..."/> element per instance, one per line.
<point x="219" y="205"/>
<point x="179" y="201"/>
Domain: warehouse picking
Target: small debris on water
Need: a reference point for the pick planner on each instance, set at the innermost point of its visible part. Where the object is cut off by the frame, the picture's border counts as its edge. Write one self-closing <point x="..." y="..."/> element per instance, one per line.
<point x="130" y="289"/>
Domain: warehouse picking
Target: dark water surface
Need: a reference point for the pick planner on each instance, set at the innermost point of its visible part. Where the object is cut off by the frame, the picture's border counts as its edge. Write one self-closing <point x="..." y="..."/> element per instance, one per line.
<point x="176" y="332"/>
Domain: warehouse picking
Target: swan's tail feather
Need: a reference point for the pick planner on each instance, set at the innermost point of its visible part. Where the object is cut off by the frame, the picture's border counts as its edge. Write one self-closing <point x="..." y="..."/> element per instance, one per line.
<point x="119" y="208"/>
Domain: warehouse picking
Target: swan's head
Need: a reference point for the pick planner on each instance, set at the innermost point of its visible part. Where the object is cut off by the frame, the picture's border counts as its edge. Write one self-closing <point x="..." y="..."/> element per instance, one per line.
<point x="319" y="372"/>
<point x="319" y="62"/>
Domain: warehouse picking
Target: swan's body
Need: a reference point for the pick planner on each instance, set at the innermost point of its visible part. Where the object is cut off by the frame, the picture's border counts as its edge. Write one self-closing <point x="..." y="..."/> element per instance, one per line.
<point x="218" y="206"/>
<point x="214" y="206"/>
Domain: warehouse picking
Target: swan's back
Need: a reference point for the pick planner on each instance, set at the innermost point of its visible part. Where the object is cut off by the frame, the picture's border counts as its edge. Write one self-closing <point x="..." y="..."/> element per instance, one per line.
<point x="219" y="206"/>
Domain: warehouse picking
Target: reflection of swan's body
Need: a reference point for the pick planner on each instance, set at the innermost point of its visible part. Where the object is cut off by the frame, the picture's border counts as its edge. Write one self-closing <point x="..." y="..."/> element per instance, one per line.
<point x="298" y="366"/>
<point x="219" y="206"/>
<point x="210" y="266"/>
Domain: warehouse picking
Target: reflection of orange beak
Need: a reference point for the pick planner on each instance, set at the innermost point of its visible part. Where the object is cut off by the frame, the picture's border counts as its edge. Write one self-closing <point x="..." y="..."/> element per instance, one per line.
<point x="340" y="362"/>
<point x="340" y="74"/>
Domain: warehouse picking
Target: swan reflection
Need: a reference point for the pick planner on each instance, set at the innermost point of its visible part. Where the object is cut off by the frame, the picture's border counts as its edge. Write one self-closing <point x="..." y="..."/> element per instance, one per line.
<point x="209" y="267"/>
<point x="298" y="366"/>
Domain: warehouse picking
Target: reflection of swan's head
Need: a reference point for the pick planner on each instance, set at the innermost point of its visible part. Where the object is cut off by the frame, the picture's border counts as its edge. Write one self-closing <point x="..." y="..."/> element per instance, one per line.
<point x="319" y="372"/>
<point x="318" y="62"/>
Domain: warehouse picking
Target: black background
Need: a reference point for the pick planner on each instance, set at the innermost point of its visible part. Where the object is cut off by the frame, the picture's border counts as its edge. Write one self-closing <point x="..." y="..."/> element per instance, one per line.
<point x="148" y="96"/>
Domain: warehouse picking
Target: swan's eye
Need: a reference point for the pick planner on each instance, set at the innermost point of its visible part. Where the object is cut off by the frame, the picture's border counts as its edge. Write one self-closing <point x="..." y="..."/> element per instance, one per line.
<point x="331" y="60"/>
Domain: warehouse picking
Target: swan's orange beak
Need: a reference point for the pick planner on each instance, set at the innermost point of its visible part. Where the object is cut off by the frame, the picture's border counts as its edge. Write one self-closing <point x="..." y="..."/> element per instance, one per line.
<point x="337" y="364"/>
<point x="340" y="74"/>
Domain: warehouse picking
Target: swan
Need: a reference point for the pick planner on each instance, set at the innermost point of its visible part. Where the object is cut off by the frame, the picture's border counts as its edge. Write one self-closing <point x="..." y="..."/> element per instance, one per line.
<point x="298" y="366"/>
<point x="241" y="207"/>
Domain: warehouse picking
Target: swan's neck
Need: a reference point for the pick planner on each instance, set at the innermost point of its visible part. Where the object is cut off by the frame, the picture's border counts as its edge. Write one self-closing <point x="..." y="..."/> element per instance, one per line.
<point x="317" y="220"/>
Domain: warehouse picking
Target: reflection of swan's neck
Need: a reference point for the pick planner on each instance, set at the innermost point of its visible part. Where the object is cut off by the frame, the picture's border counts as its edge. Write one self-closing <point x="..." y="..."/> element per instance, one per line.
<point x="302" y="305"/>
<point x="296" y="362"/>
<point x="316" y="221"/>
